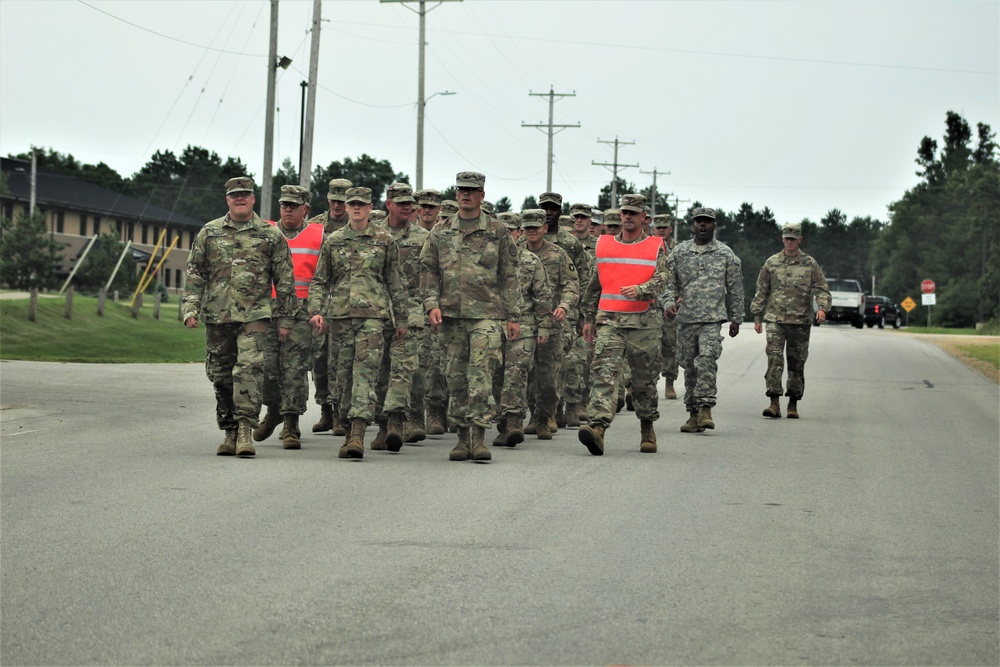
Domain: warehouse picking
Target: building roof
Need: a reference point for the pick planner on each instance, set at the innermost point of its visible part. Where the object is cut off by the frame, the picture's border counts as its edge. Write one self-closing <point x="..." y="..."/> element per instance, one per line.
<point x="72" y="193"/>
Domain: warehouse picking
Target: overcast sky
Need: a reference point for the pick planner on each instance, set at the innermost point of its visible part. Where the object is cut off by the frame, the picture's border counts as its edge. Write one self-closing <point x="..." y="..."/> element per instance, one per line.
<point x="798" y="106"/>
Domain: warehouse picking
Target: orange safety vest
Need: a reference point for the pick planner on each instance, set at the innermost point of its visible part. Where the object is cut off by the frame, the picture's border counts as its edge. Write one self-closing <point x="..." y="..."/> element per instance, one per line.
<point x="305" y="249"/>
<point x="621" y="264"/>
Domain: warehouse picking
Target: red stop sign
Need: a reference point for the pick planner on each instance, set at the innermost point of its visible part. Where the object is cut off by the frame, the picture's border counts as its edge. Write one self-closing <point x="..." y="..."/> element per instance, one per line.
<point x="927" y="287"/>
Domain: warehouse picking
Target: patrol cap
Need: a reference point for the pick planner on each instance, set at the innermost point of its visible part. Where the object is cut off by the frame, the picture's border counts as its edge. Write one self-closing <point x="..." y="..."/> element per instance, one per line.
<point x="449" y="207"/>
<point x="792" y="230"/>
<point x="487" y="207"/>
<point x="428" y="197"/>
<point x="240" y="184"/>
<point x="633" y="202"/>
<point x="510" y="219"/>
<point x="703" y="212"/>
<point x="470" y="179"/>
<point x="338" y="189"/>
<point x="532" y="218"/>
<point x="581" y="209"/>
<point x="376" y="216"/>
<point x="662" y="220"/>
<point x="565" y="221"/>
<point x="400" y="193"/>
<point x="363" y="195"/>
<point x="612" y="216"/>
<point x="550" y="198"/>
<point x="295" y="194"/>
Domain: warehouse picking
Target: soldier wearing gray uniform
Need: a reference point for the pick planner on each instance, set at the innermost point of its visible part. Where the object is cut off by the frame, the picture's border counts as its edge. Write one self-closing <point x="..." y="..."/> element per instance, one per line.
<point x="470" y="287"/>
<point x="705" y="275"/>
<point x="233" y="263"/>
<point x="622" y="317"/>
<point x="785" y="287"/>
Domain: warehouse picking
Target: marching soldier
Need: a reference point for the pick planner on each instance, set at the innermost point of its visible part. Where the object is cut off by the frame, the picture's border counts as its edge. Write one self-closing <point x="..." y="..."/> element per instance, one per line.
<point x="663" y="227"/>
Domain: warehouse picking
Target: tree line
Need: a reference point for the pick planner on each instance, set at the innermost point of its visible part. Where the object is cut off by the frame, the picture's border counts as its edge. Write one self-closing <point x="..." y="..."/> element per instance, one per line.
<point x="945" y="228"/>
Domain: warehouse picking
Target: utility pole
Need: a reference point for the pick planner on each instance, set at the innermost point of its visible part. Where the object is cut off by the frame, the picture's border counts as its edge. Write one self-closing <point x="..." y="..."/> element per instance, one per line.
<point x="420" y="82"/>
<point x="272" y="69"/>
<point x="552" y="95"/>
<point x="302" y="121"/>
<point x="614" y="167"/>
<point x="677" y="213"/>
<point x="305" y="169"/>
<point x="654" y="173"/>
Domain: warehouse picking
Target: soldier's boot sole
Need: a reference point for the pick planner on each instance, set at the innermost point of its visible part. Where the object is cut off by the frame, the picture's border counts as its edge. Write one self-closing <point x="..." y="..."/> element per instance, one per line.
<point x="773" y="411"/>
<point x="271" y="421"/>
<point x="592" y="439"/>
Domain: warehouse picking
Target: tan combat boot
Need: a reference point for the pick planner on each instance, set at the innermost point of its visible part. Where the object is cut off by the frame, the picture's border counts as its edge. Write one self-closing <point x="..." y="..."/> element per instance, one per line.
<point x="290" y="434"/>
<point x="501" y="439"/>
<point x="544" y="429"/>
<point x="793" y="408"/>
<point x="774" y="410"/>
<point x="477" y="444"/>
<point x="705" y="417"/>
<point x="532" y="427"/>
<point x="592" y="436"/>
<point x="228" y="446"/>
<point x="691" y="425"/>
<point x="668" y="390"/>
<point x="553" y="426"/>
<point x="354" y="448"/>
<point x="560" y="418"/>
<point x="380" y="437"/>
<point x="573" y="415"/>
<point x="648" y="443"/>
<point x="341" y="426"/>
<point x="515" y="430"/>
<point x="413" y="429"/>
<point x="244" y="439"/>
<point x="325" y="422"/>
<point x="581" y="413"/>
<point x="435" y="421"/>
<point x="394" y="432"/>
<point x="271" y="420"/>
<point x="461" y="452"/>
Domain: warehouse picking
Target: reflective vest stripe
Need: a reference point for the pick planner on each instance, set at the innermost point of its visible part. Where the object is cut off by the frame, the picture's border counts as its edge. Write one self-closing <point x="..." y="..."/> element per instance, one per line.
<point x="627" y="260"/>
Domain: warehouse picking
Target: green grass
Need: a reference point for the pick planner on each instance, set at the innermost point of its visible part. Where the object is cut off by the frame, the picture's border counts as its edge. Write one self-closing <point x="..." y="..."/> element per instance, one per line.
<point x="953" y="332"/>
<point x="988" y="354"/>
<point x="113" y="338"/>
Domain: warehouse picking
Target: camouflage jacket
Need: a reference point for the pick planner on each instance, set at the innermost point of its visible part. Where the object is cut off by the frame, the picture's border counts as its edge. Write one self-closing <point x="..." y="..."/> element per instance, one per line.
<point x="649" y="319"/>
<point x="230" y="270"/>
<point x="329" y="224"/>
<point x="583" y="261"/>
<point x="709" y="282"/>
<point x="469" y="270"/>
<point x="359" y="269"/>
<point x="564" y="282"/>
<point x="536" y="295"/>
<point x="784" y="288"/>
<point x="410" y="241"/>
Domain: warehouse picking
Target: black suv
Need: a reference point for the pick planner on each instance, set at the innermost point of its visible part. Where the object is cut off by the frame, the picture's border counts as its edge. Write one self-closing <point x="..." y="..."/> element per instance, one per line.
<point x="881" y="309"/>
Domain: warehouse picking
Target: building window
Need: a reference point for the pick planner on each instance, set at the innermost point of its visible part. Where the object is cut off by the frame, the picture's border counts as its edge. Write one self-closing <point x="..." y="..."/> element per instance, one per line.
<point x="8" y="211"/>
<point x="191" y="235"/>
<point x="145" y="233"/>
<point x="170" y="237"/>
<point x="83" y="225"/>
<point x="129" y="231"/>
<point x="60" y="221"/>
<point x="156" y="233"/>
<point x="179" y="277"/>
<point x="166" y="277"/>
<point x="97" y="225"/>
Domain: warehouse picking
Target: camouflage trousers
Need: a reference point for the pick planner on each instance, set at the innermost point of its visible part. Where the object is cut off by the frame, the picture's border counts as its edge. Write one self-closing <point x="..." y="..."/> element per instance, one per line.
<point x="359" y="343"/>
<point x="640" y="348"/>
<point x="793" y="340"/>
<point x="699" y="346"/>
<point x="321" y="367"/>
<point x="400" y="378"/>
<point x="234" y="363"/>
<point x="286" y="368"/>
<point x="432" y="366"/>
<point x="472" y="348"/>
<point x="572" y="375"/>
<point x="668" y="349"/>
<point x="518" y="357"/>
<point x="542" y="391"/>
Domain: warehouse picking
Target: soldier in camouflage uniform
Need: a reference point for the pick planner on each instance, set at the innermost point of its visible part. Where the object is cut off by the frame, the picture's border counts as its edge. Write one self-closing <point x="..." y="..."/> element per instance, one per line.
<point x="401" y="378"/>
<point x="575" y="374"/>
<point x="449" y="207"/>
<point x="233" y="263"/>
<point x="429" y="203"/>
<point x="613" y="225"/>
<point x="470" y="287"/>
<point x="377" y="218"/>
<point x="332" y="220"/>
<point x="705" y="275"/>
<point x="663" y="227"/>
<point x="785" y="286"/>
<point x="622" y="317"/>
<point x="435" y="383"/>
<point x="287" y="363"/>
<point x="355" y="291"/>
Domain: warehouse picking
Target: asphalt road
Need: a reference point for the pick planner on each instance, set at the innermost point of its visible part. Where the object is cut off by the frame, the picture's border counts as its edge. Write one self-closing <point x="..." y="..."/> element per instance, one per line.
<point x="864" y="533"/>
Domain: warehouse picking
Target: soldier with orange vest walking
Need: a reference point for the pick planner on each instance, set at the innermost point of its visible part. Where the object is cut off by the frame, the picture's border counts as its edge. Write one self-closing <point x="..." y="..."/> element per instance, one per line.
<point x="621" y="316"/>
<point x="287" y="363"/>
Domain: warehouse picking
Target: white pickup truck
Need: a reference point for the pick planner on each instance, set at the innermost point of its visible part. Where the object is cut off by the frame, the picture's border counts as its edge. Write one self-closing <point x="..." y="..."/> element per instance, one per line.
<point x="848" y="302"/>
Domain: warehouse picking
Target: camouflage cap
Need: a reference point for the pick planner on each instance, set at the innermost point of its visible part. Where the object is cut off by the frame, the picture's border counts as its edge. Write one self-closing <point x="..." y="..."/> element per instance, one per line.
<point x="449" y="207"/>
<point x="363" y="195"/>
<point x="470" y="179"/>
<point x="550" y="198"/>
<point x="338" y="189"/>
<point x="633" y="202"/>
<point x="532" y="217"/>
<point x="487" y="207"/>
<point x="703" y="212"/>
<point x="662" y="220"/>
<point x="510" y="219"/>
<point x="612" y="216"/>
<point x="581" y="209"/>
<point x="792" y="230"/>
<point x="295" y="194"/>
<point x="400" y="193"/>
<point x="240" y="184"/>
<point x="428" y="197"/>
<point x="376" y="216"/>
<point x="565" y="221"/>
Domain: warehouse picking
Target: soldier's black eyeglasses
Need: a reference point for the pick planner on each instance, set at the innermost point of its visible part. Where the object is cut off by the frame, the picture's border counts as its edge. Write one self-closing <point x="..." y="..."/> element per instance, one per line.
<point x="468" y="189"/>
<point x="288" y="205"/>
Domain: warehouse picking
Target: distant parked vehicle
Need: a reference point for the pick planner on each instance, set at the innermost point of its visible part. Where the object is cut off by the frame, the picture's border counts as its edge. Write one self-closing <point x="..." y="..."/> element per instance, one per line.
<point x="881" y="309"/>
<point x="848" y="302"/>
